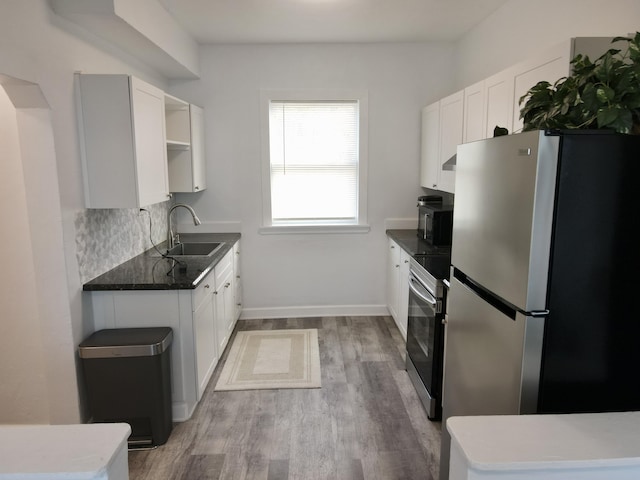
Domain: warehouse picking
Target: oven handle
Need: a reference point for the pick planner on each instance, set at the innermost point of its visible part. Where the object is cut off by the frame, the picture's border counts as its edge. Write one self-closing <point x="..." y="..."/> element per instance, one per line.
<point x="423" y="294"/>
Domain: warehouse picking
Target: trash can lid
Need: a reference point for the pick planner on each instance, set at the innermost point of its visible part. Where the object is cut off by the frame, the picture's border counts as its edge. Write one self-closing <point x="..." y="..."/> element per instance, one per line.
<point x="126" y="342"/>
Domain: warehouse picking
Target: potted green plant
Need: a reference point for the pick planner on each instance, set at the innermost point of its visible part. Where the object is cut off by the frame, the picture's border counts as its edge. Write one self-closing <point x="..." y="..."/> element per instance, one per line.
<point x="603" y="94"/>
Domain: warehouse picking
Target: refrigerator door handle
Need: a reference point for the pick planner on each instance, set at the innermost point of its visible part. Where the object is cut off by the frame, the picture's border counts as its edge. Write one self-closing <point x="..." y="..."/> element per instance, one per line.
<point x="537" y="313"/>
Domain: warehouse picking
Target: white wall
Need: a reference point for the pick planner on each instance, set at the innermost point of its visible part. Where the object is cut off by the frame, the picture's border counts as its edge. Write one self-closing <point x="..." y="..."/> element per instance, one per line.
<point x="521" y="28"/>
<point x="306" y="270"/>
<point x="279" y="271"/>
<point x="38" y="46"/>
<point x="23" y="392"/>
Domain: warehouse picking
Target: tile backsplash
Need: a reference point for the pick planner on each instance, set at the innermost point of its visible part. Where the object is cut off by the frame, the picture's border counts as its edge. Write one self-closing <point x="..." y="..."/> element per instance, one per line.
<point x="106" y="238"/>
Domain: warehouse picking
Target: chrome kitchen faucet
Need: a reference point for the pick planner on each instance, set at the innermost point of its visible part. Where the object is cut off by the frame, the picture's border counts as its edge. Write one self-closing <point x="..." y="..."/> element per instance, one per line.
<point x="170" y="237"/>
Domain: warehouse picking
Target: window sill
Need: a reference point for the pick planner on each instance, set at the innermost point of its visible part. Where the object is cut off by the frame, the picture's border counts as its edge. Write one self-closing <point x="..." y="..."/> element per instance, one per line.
<point x="312" y="229"/>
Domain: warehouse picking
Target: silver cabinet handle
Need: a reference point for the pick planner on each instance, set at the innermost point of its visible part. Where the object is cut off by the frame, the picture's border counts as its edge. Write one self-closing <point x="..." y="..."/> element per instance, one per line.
<point x="207" y="286"/>
<point x="226" y="285"/>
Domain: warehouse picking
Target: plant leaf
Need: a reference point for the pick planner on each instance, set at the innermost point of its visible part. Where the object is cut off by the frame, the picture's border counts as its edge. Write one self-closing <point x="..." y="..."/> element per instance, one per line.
<point x="605" y="94"/>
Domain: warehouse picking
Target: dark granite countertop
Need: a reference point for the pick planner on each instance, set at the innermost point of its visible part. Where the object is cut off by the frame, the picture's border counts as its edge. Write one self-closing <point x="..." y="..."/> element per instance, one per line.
<point x="149" y="272"/>
<point x="413" y="245"/>
<point x="436" y="260"/>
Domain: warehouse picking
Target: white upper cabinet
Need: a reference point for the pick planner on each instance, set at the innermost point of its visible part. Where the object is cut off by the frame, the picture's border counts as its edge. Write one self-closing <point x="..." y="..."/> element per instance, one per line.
<point x="474" y="127"/>
<point x="197" y="148"/>
<point x="185" y="145"/>
<point x="451" y="124"/>
<point x="499" y="102"/>
<point x="549" y="66"/>
<point x="430" y="146"/>
<point x="123" y="147"/>
<point x="474" y="113"/>
<point x="441" y="135"/>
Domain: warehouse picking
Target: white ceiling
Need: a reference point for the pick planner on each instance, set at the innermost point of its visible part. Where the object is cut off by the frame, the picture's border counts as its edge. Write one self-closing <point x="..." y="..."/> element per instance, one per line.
<point x="300" y="21"/>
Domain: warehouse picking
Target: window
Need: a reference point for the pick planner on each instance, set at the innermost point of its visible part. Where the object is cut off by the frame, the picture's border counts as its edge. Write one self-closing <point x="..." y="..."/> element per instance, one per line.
<point x="314" y="161"/>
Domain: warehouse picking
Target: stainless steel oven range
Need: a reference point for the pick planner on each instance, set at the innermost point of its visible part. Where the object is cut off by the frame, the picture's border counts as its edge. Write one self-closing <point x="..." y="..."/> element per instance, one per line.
<point x="425" y="331"/>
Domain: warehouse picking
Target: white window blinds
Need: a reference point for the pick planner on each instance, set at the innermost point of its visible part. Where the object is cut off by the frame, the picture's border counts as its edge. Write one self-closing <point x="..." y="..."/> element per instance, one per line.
<point x="313" y="161"/>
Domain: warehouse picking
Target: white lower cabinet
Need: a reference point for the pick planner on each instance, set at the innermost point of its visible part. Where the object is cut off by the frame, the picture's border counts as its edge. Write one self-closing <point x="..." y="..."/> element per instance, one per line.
<point x="237" y="278"/>
<point x="393" y="276"/>
<point x="224" y="305"/>
<point x="202" y="321"/>
<point x="204" y="335"/>
<point x="403" y="289"/>
<point x="398" y="285"/>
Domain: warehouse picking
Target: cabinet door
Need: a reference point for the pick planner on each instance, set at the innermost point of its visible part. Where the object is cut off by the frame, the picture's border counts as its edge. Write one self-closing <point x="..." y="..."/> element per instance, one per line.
<point x="185" y="145"/>
<point x="393" y="275"/>
<point x="206" y="348"/>
<point x="229" y="306"/>
<point x="147" y="105"/>
<point x="474" y="107"/>
<point x="224" y="308"/>
<point x="451" y="122"/>
<point x="499" y="98"/>
<point x="237" y="290"/>
<point x="550" y="65"/>
<point x="197" y="148"/>
<point x="430" y="146"/>
<point x="403" y="295"/>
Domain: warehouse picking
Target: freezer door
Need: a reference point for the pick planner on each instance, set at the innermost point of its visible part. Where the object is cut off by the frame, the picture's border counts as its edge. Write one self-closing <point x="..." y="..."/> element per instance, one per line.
<point x="492" y="360"/>
<point x="503" y="215"/>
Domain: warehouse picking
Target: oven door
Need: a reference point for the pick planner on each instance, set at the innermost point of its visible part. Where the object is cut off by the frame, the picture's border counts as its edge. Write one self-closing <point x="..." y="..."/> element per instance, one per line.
<point x="425" y="346"/>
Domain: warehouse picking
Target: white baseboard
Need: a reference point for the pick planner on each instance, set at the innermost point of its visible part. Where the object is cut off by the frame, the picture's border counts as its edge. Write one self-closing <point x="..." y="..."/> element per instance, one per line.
<point x="180" y="411"/>
<point x="315" y="311"/>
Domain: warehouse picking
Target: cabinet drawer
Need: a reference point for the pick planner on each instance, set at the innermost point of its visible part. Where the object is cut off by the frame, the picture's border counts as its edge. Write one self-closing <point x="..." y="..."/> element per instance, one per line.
<point x="200" y="293"/>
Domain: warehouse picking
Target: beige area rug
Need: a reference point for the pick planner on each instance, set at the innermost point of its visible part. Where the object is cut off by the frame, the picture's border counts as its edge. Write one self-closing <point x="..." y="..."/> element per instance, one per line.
<point x="269" y="359"/>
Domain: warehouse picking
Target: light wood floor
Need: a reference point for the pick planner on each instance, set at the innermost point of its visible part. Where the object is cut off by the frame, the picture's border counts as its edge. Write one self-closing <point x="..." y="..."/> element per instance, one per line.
<point x="366" y="421"/>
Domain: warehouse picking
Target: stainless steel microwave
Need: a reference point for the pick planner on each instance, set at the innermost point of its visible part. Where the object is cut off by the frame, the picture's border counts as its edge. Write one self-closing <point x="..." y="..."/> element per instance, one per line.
<point x="435" y="224"/>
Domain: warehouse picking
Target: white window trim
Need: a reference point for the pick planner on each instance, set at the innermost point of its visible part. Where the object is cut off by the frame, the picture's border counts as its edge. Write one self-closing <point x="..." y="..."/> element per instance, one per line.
<point x="361" y="96"/>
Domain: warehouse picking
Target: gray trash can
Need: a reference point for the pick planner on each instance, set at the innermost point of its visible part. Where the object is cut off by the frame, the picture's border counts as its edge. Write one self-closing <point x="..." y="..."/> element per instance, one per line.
<point x="127" y="372"/>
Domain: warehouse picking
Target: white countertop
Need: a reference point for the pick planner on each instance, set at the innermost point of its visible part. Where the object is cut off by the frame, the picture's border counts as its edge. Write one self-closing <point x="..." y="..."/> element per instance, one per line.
<point x="60" y="451"/>
<point x="521" y="442"/>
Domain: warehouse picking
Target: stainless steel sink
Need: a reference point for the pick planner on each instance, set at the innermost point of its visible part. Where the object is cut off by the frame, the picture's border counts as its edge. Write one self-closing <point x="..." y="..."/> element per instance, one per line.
<point x="193" y="249"/>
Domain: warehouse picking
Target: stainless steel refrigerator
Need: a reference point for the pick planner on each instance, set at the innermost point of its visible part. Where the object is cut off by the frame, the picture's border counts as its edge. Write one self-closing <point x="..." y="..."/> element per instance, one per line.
<point x="543" y="310"/>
